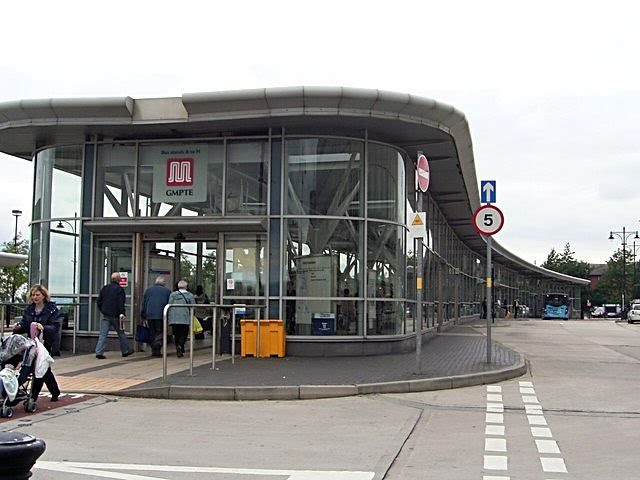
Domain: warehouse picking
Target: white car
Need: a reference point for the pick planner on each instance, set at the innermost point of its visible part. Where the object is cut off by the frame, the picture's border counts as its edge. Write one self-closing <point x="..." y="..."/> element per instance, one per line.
<point x="634" y="314"/>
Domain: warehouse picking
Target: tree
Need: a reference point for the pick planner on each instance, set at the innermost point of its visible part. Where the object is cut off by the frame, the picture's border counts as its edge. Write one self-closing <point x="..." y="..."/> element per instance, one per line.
<point x="610" y="285"/>
<point x="15" y="277"/>
<point x="566" y="263"/>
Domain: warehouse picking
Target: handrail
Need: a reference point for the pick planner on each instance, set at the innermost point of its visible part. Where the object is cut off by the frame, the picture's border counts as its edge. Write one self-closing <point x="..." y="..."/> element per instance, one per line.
<point x="214" y="307"/>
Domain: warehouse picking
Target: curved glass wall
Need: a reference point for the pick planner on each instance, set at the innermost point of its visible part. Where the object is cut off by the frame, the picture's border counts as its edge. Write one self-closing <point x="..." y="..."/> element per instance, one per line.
<point x="337" y="258"/>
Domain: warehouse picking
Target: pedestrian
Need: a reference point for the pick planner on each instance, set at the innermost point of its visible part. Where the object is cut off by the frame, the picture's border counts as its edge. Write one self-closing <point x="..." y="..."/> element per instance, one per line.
<point x="154" y="299"/>
<point x="201" y="313"/>
<point x="111" y="304"/>
<point x="516" y="307"/>
<point x="484" y="308"/>
<point x="180" y="317"/>
<point x="43" y="316"/>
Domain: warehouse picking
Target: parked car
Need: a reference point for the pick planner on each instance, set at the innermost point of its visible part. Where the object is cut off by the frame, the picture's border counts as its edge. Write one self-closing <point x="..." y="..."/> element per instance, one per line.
<point x="598" y="312"/>
<point x="634" y="314"/>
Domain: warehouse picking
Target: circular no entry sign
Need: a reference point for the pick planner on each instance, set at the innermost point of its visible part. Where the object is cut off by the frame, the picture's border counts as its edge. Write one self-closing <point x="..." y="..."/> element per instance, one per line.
<point x="423" y="173"/>
<point x="488" y="220"/>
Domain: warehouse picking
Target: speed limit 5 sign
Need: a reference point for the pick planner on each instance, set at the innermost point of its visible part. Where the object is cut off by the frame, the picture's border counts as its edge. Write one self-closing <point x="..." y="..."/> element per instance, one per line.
<point x="488" y="220"/>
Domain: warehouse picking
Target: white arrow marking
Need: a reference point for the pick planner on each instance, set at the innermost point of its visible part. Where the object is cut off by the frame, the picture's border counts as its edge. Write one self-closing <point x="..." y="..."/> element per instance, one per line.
<point x="487" y="190"/>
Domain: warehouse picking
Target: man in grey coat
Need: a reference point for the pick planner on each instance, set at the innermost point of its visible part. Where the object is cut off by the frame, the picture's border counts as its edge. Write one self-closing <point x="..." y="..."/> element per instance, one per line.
<point x="154" y="300"/>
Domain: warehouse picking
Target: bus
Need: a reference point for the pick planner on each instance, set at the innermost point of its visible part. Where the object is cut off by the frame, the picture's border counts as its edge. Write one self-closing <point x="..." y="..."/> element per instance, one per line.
<point x="556" y="305"/>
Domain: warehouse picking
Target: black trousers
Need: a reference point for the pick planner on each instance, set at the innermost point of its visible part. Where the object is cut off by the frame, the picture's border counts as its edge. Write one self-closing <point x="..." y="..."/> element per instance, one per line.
<point x="180" y="334"/>
<point x="36" y="384"/>
<point x="155" y="326"/>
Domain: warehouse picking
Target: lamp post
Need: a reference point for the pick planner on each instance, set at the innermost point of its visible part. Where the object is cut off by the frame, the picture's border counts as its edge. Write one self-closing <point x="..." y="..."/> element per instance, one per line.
<point x="73" y="232"/>
<point x="15" y="213"/>
<point x="624" y="236"/>
<point x="635" y="248"/>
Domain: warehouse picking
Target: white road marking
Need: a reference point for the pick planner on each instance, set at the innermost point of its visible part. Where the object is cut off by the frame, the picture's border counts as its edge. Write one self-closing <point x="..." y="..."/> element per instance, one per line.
<point x="554" y="465"/>
<point x="527" y="390"/>
<point x="547" y="446"/>
<point x="526" y="384"/>
<point x="111" y="470"/>
<point x="494" y="430"/>
<point x="495" y="407"/>
<point x="494" y="388"/>
<point x="493" y="477"/>
<point x="536" y="420"/>
<point x="495" y="462"/>
<point x="494" y="397"/>
<point x="494" y="418"/>
<point x="541" y="432"/>
<point x="530" y="399"/>
<point x="533" y="409"/>
<point x="495" y="445"/>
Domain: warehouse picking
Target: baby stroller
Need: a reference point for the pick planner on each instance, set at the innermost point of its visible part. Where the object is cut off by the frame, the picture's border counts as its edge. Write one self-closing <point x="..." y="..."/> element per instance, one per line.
<point x="16" y="350"/>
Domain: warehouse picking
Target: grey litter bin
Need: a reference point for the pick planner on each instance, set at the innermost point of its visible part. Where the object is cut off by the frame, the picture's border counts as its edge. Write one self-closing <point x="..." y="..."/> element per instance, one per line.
<point x="18" y="453"/>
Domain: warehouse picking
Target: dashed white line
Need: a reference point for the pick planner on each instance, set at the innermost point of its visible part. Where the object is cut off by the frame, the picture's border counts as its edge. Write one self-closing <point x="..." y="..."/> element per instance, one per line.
<point x="536" y="420"/>
<point x="495" y="445"/>
<point x="494" y="430"/>
<point x="495" y="462"/>
<point x="547" y="446"/>
<point x="494" y="418"/>
<point x="541" y="432"/>
<point x="553" y="465"/>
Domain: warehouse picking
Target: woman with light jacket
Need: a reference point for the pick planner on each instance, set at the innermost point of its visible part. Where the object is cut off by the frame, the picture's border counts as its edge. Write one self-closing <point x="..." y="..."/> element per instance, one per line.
<point x="180" y="317"/>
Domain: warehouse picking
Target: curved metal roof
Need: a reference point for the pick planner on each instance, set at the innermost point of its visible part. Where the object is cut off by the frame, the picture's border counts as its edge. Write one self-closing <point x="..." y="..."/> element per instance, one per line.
<point x="410" y="122"/>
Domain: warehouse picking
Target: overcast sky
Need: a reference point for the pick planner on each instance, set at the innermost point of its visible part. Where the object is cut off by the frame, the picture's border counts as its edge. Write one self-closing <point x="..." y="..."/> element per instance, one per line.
<point x="551" y="89"/>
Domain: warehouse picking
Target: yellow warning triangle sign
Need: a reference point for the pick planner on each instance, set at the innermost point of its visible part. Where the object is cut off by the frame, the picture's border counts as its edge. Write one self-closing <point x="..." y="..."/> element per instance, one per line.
<point x="417" y="220"/>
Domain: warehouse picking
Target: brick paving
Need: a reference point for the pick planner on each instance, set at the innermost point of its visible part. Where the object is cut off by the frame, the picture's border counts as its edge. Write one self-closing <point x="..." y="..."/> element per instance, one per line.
<point x="461" y="350"/>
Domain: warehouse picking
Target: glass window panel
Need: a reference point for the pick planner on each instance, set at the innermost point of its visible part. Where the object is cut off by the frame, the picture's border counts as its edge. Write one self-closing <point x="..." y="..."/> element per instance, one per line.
<point x="58" y="182"/>
<point x="386" y="262"/>
<point x="323" y="258"/>
<point x="386" y="183"/>
<point x="247" y="178"/>
<point x="323" y="177"/>
<point x="115" y="181"/>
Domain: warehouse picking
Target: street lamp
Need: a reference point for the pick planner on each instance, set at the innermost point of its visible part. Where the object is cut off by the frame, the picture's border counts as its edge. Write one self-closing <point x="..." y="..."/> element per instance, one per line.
<point x="73" y="232"/>
<point x="15" y="213"/>
<point x="624" y="236"/>
<point x="635" y="248"/>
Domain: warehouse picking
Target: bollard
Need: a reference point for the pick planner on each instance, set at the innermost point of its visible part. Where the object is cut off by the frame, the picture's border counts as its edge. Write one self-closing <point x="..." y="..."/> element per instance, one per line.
<point x="18" y="453"/>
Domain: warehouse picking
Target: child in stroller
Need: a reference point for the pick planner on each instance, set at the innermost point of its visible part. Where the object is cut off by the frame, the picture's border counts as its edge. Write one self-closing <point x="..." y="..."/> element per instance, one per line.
<point x="16" y="351"/>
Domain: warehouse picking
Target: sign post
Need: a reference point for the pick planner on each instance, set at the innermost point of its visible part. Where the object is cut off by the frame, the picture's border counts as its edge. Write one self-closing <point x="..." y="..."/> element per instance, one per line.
<point x="423" y="175"/>
<point x="488" y="220"/>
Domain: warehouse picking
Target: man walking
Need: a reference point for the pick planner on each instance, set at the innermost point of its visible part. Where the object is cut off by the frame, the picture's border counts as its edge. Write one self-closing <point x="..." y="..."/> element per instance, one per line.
<point x="154" y="300"/>
<point x="111" y="304"/>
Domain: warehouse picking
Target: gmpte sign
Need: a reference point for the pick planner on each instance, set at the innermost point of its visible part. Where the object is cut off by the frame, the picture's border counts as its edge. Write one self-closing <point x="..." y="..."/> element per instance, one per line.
<point x="179" y="175"/>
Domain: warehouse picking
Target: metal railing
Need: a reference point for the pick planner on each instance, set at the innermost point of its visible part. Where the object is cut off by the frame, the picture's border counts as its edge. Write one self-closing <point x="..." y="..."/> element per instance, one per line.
<point x="214" y="307"/>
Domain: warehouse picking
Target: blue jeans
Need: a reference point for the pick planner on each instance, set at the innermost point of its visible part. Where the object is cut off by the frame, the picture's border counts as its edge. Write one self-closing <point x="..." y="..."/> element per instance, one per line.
<point x="105" y="325"/>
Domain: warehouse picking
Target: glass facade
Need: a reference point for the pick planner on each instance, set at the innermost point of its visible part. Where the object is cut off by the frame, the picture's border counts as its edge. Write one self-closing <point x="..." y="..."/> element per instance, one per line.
<point x="312" y="228"/>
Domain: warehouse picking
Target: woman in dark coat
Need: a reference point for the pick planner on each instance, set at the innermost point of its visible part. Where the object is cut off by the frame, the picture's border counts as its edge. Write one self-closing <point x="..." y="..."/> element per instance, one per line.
<point x="44" y="314"/>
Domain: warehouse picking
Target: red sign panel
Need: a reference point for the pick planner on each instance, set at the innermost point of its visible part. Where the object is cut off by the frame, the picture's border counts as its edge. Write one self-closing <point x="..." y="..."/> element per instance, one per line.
<point x="423" y="173"/>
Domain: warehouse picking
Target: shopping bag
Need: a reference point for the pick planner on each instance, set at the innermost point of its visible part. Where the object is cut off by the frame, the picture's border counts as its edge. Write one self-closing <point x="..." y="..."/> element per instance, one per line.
<point x="197" y="327"/>
<point x="143" y="334"/>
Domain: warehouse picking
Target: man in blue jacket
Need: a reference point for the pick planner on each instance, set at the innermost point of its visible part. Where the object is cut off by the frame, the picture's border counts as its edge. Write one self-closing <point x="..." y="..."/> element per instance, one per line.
<point x="154" y="300"/>
<point x="111" y="304"/>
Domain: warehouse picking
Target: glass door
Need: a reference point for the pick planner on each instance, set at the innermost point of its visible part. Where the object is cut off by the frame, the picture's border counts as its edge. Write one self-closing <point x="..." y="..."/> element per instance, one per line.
<point x="243" y="276"/>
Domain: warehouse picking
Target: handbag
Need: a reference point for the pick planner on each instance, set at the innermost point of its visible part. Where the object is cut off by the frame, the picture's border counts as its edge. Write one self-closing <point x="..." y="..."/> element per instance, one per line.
<point x="196" y="325"/>
<point x="143" y="334"/>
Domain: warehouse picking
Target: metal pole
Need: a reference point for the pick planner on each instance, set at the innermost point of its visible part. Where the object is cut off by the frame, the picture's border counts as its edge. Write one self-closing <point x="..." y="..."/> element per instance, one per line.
<point x="258" y="332"/>
<point x="624" y="264"/>
<point x="419" y="274"/>
<point x="192" y="339"/>
<point x="213" y="334"/>
<point x="233" y="335"/>
<point x="164" y="343"/>
<point x="489" y="299"/>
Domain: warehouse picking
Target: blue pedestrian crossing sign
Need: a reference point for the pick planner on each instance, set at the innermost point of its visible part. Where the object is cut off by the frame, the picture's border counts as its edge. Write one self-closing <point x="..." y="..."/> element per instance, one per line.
<point x="488" y="191"/>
